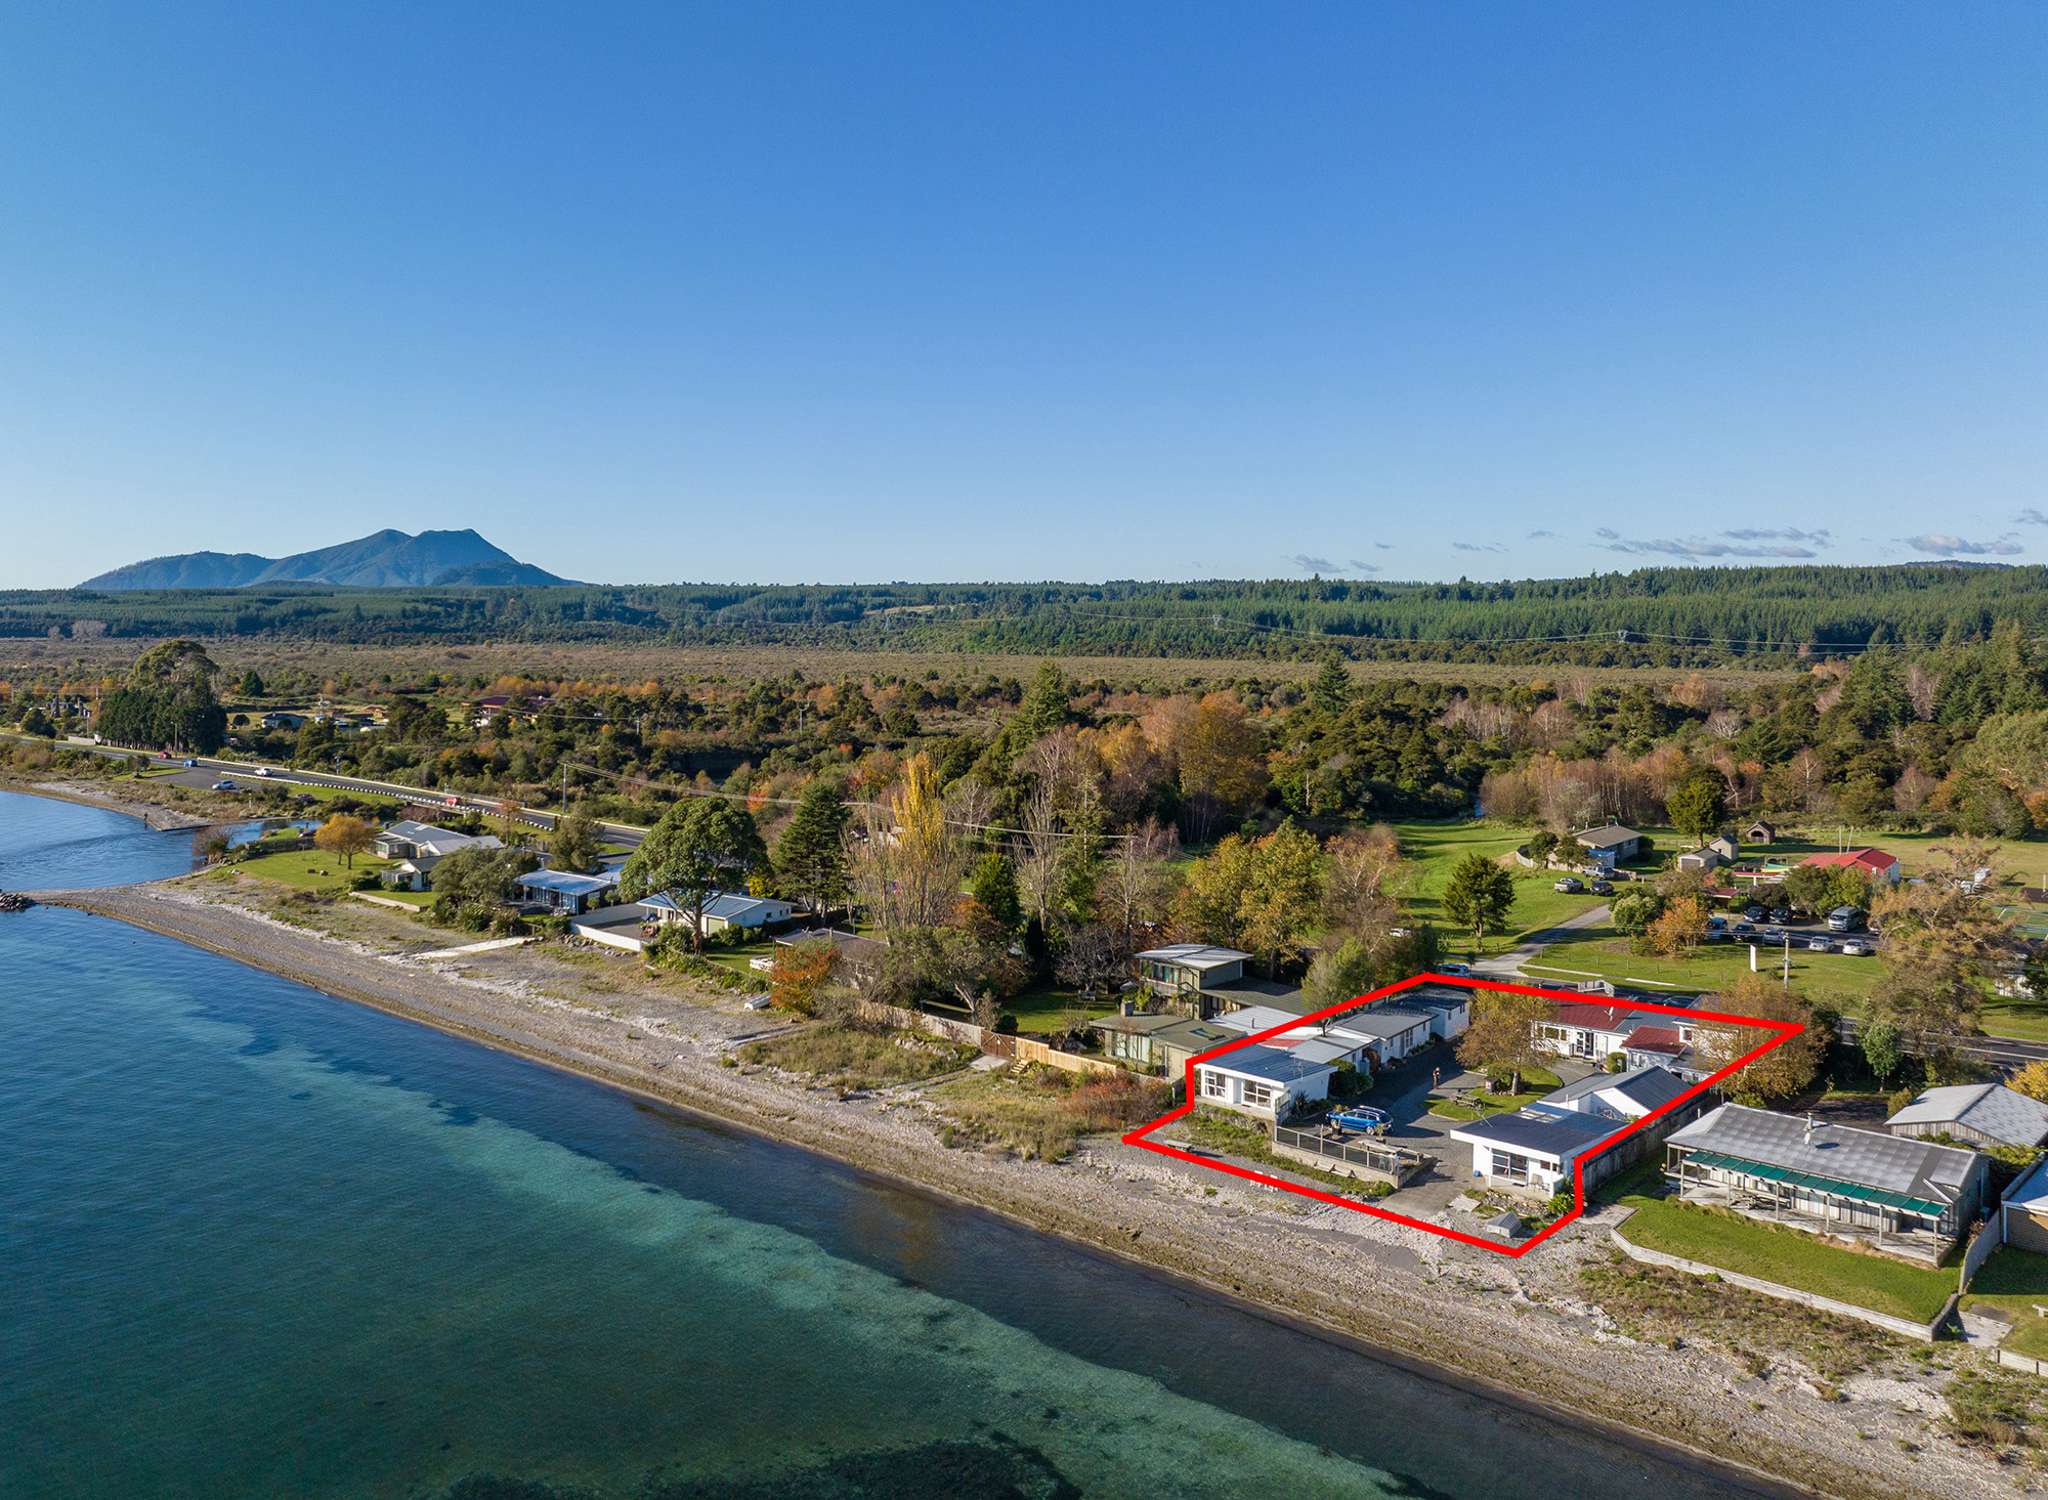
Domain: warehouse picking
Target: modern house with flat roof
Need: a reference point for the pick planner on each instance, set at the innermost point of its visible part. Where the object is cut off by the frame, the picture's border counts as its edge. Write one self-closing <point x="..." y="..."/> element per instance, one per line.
<point x="1532" y="1149"/>
<point x="1270" y="1083"/>
<point x="1979" y="1114"/>
<point x="1183" y="972"/>
<point x="1904" y="1196"/>
<point x="1369" y="1038"/>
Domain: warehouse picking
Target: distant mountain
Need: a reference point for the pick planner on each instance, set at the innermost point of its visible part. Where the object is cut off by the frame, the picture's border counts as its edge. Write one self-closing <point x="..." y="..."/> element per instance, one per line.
<point x="385" y="559"/>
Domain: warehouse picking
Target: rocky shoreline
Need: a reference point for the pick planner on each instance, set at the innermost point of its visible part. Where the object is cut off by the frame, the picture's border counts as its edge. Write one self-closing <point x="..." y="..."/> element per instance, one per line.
<point x="1522" y="1328"/>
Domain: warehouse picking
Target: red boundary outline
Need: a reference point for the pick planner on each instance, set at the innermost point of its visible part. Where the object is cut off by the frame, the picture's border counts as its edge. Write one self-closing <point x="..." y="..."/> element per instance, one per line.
<point x="1781" y="1032"/>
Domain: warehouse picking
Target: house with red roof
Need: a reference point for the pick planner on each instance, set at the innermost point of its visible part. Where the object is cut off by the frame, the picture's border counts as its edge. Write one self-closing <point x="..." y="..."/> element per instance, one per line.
<point x="1597" y="1032"/>
<point x="1872" y="864"/>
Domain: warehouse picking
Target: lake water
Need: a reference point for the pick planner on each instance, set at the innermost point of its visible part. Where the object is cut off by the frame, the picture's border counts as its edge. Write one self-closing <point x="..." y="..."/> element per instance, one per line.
<point x="258" y="1242"/>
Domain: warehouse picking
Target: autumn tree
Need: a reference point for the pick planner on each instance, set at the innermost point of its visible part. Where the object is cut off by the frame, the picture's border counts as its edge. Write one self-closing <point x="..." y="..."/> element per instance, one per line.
<point x="1778" y="1074"/>
<point x="2032" y="1080"/>
<point x="800" y="972"/>
<point x="911" y="852"/>
<point x="1942" y="940"/>
<point x="1478" y="896"/>
<point x="1221" y="757"/>
<point x="1503" y="1034"/>
<point x="344" y="835"/>
<point x="1359" y="870"/>
<point x="1680" y="928"/>
<point x="1281" y="904"/>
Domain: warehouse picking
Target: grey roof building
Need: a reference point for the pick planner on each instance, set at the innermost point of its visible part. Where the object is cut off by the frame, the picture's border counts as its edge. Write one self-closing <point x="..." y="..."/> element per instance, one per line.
<point x="1984" y="1114"/>
<point x="1907" y="1196"/>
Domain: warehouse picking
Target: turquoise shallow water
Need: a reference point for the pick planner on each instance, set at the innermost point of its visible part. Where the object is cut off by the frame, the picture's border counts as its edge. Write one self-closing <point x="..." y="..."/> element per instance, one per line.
<point x="260" y="1242"/>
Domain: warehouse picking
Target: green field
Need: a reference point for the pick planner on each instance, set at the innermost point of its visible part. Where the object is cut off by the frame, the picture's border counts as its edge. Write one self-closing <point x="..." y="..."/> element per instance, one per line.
<point x="1041" y="1012"/>
<point x="1435" y="848"/>
<point x="1787" y="1257"/>
<point x="305" y="869"/>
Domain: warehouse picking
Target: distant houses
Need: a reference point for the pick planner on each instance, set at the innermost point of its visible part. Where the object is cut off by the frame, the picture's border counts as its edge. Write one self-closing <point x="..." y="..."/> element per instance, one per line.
<point x="1711" y="855"/>
<point x="1898" y="1194"/>
<point x="1873" y="864"/>
<point x="1610" y="845"/>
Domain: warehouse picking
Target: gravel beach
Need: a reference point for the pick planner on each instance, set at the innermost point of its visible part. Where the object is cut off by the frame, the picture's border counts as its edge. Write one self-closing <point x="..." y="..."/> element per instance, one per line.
<point x="1521" y="1327"/>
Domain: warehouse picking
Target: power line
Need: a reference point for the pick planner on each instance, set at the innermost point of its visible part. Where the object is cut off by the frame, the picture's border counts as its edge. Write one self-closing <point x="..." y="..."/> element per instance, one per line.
<point x="750" y="797"/>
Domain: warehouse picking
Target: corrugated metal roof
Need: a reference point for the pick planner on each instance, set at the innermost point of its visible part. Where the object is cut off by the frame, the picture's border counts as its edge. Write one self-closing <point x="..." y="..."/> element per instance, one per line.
<point x="567" y="882"/>
<point x="1561" y="1133"/>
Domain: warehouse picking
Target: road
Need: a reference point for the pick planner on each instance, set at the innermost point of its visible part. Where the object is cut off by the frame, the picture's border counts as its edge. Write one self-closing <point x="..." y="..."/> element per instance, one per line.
<point x="207" y="769"/>
<point x="1509" y="964"/>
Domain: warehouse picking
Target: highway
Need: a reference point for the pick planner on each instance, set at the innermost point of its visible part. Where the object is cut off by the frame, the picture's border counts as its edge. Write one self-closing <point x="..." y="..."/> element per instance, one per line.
<point x="207" y="769"/>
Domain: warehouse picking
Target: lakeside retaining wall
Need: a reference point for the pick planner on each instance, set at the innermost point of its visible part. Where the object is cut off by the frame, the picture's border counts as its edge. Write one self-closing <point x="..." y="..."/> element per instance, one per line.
<point x="1022" y="1049"/>
<point x="1904" y="1327"/>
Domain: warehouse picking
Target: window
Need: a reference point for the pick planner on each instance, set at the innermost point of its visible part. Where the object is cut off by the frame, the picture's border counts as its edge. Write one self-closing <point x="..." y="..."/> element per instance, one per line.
<point x="1259" y="1095"/>
<point x="1214" y="1085"/>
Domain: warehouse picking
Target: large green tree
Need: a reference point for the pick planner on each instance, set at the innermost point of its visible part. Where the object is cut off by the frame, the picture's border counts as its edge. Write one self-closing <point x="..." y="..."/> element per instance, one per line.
<point x="1479" y="896"/>
<point x="699" y="848"/>
<point x="1697" y="806"/>
<point x="810" y="856"/>
<point x="573" y="842"/>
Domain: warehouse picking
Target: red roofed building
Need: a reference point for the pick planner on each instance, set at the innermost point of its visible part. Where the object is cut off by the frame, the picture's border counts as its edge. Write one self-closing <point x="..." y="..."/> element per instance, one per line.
<point x="1873" y="863"/>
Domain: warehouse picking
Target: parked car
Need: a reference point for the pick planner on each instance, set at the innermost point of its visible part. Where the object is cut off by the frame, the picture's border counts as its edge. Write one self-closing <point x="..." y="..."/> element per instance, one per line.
<point x="1857" y="948"/>
<point x="1846" y="919"/>
<point x="1716" y="923"/>
<point x="1603" y="887"/>
<point x="1745" y="929"/>
<point x="1781" y="914"/>
<point x="223" y="785"/>
<point x="1571" y="885"/>
<point x="1454" y="971"/>
<point x="1753" y="912"/>
<point x="1819" y="945"/>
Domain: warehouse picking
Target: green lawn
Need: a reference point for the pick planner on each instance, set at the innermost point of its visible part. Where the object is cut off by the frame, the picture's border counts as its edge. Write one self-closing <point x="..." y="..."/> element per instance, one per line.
<point x="305" y="869"/>
<point x="1787" y="1257"/>
<point x="1436" y="847"/>
<point x="2016" y="1281"/>
<point x="1044" y="1011"/>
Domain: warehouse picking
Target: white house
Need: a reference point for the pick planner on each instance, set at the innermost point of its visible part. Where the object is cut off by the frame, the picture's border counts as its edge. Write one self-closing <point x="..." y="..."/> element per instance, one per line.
<point x="418" y="847"/>
<point x="1368" y="1038"/>
<point x="1618" y="1096"/>
<point x="726" y="909"/>
<point x="1592" y="1032"/>
<point x="1263" y="1081"/>
<point x="1535" y="1149"/>
<point x="1532" y="1149"/>
<point x="1715" y="852"/>
<point x="1449" y="1007"/>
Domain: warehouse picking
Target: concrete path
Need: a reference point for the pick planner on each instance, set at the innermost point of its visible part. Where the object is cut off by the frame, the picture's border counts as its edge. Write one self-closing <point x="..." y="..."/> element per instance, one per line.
<point x="1509" y="964"/>
<point x="490" y="946"/>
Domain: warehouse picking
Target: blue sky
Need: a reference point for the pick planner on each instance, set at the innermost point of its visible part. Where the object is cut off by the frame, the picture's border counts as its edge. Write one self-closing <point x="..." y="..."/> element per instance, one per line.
<point x="803" y="292"/>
